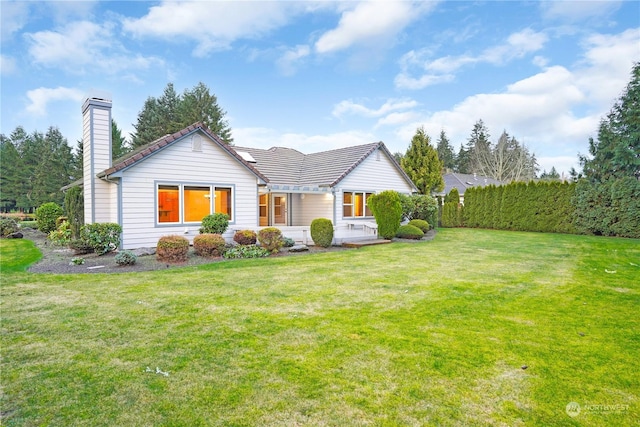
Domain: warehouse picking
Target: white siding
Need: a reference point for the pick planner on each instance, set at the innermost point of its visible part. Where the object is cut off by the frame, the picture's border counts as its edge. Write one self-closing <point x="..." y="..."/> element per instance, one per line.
<point x="179" y="164"/>
<point x="96" y="139"/>
<point x="377" y="173"/>
<point x="313" y="206"/>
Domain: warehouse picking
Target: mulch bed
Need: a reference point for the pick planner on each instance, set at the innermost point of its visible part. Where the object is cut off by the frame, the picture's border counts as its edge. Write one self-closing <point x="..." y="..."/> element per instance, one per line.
<point x="57" y="260"/>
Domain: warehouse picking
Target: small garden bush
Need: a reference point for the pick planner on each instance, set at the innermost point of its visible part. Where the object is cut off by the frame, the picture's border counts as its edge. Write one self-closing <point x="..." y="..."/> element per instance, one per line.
<point x="248" y="251"/>
<point x="270" y="238"/>
<point x="61" y="235"/>
<point x="172" y="248"/>
<point x="288" y="242"/>
<point x="421" y="224"/>
<point x="209" y="245"/>
<point x="419" y="206"/>
<point x="322" y="232"/>
<point x="409" y="232"/>
<point x="215" y="224"/>
<point x="80" y="247"/>
<point x="8" y="226"/>
<point x="103" y="237"/>
<point x="46" y="216"/>
<point x="245" y="237"/>
<point x="126" y="258"/>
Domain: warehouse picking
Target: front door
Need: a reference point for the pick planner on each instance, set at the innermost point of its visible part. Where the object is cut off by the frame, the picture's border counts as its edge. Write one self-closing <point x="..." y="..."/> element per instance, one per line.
<point x="280" y="209"/>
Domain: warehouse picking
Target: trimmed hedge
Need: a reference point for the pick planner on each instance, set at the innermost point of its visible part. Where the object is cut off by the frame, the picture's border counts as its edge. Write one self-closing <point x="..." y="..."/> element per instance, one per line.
<point x="519" y="206"/>
<point x="322" y="232"/>
<point x="387" y="210"/>
<point x="270" y="238"/>
<point x="421" y="224"/>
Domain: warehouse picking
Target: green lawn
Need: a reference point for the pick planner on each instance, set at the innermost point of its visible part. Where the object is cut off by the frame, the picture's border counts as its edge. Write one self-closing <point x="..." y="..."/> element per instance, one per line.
<point x="429" y="333"/>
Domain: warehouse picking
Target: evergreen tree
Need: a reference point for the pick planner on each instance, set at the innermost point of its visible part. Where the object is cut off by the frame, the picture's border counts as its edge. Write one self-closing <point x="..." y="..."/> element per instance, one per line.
<point x="171" y="112"/>
<point x="445" y="152"/>
<point x="119" y="145"/>
<point x="422" y="165"/>
<point x="463" y="160"/>
<point x="616" y="152"/>
<point x="551" y="175"/>
<point x="11" y="179"/>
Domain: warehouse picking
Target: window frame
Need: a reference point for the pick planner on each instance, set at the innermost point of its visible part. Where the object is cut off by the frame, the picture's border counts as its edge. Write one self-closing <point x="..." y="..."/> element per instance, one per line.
<point x="355" y="195"/>
<point x="182" y="186"/>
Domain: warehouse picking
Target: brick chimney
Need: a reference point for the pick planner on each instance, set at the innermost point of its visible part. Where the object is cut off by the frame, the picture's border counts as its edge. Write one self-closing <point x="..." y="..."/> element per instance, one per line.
<point x="96" y="145"/>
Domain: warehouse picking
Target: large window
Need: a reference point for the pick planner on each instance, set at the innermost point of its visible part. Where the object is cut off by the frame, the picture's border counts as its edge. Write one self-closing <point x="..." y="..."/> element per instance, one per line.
<point x="190" y="203"/>
<point x="354" y="204"/>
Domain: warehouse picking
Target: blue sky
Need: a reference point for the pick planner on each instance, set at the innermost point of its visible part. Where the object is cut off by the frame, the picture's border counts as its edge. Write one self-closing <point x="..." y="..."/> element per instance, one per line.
<point x="321" y="75"/>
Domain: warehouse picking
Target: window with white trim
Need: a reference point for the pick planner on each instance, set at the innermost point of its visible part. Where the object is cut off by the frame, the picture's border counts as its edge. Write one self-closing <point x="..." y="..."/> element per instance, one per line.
<point x="183" y="203"/>
<point x="354" y="204"/>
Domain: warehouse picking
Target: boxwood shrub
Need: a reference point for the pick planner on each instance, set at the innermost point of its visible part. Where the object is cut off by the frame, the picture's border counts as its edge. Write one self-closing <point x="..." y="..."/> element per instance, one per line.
<point x="409" y="232"/>
<point x="46" y="215"/>
<point x="322" y="232"/>
<point x="172" y="248"/>
<point x="270" y="238"/>
<point x="209" y="245"/>
<point x="245" y="237"/>
<point x="421" y="224"/>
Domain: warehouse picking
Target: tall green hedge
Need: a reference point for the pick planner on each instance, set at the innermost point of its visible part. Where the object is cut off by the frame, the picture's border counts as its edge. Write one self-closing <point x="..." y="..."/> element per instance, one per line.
<point x="533" y="206"/>
<point x="387" y="210"/>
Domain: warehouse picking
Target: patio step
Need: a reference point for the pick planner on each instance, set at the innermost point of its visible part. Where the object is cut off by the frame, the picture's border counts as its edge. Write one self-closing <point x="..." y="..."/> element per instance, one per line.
<point x="361" y="243"/>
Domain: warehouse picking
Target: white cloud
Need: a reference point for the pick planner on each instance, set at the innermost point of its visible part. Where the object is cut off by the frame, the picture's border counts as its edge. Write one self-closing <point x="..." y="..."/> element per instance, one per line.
<point x="267" y="138"/>
<point x="574" y="11"/>
<point x="212" y="25"/>
<point x="7" y="65"/>
<point x="289" y="61"/>
<point x="14" y="16"/>
<point x="370" y="22"/>
<point x="349" y="107"/>
<point x="41" y="97"/>
<point x="442" y="70"/>
<point x="83" y="45"/>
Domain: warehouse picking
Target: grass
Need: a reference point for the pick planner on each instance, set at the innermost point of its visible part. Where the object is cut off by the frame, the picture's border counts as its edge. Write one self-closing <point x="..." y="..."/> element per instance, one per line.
<point x="431" y="333"/>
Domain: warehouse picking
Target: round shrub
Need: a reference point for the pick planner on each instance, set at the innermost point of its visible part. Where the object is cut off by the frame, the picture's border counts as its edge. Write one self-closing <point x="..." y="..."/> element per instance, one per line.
<point x="103" y="237"/>
<point x="8" y="226"/>
<point x="216" y="223"/>
<point x="421" y="224"/>
<point x="245" y="237"/>
<point x="46" y="215"/>
<point x="172" y="248"/>
<point x="270" y="238"/>
<point x="209" y="245"/>
<point x="126" y="258"/>
<point x="322" y="232"/>
<point x="409" y="232"/>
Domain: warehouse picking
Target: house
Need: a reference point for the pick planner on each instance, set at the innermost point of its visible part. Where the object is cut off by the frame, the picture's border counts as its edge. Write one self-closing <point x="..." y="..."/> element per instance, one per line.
<point x="169" y="185"/>
<point x="463" y="181"/>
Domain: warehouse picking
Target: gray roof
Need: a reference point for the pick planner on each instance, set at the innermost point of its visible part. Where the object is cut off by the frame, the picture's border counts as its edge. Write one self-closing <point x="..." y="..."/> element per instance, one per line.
<point x="326" y="168"/>
<point x="462" y="181"/>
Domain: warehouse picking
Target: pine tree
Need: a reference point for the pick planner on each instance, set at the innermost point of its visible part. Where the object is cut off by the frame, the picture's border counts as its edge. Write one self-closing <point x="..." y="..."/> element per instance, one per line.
<point x="422" y="165"/>
<point x="445" y="152"/>
<point x="119" y="145"/>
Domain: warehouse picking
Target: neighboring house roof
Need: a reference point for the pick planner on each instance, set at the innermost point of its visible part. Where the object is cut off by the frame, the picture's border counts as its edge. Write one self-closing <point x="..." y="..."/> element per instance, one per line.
<point x="462" y="181"/>
<point x="147" y="150"/>
<point x="326" y="168"/>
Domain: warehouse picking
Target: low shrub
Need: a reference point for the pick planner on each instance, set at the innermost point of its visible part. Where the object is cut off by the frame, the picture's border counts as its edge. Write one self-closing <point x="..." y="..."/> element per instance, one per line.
<point x="245" y="237"/>
<point x="77" y="261"/>
<point x="126" y="258"/>
<point x="209" y="245"/>
<point x="172" y="248"/>
<point x="61" y="236"/>
<point x="270" y="238"/>
<point x="288" y="242"/>
<point x="80" y="247"/>
<point x="8" y="226"/>
<point x="103" y="237"/>
<point x="322" y="232"/>
<point x="409" y="232"/>
<point x="421" y="224"/>
<point x="46" y="216"/>
<point x="216" y="223"/>
<point x="246" y="251"/>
